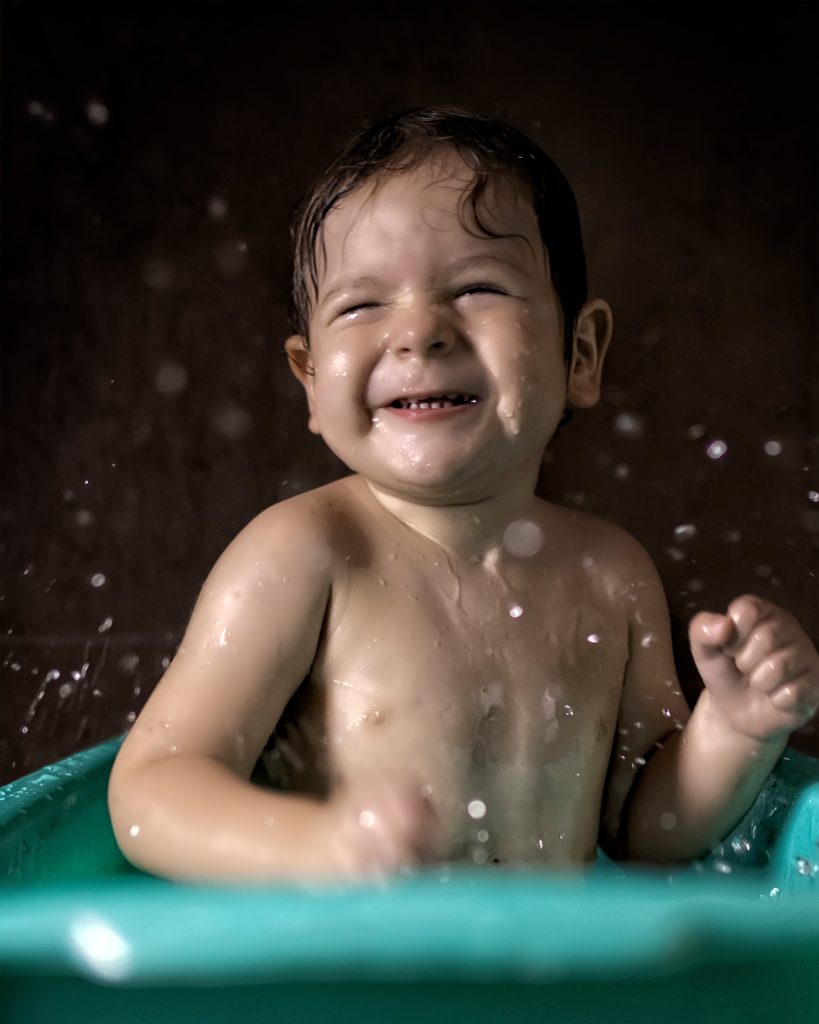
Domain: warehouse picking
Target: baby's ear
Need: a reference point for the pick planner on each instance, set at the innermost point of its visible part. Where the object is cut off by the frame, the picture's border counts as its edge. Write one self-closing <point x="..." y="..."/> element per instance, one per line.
<point x="592" y="335"/>
<point x="301" y="365"/>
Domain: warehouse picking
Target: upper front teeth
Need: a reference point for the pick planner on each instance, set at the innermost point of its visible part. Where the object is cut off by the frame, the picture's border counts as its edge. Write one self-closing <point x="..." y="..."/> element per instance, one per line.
<point x="442" y="402"/>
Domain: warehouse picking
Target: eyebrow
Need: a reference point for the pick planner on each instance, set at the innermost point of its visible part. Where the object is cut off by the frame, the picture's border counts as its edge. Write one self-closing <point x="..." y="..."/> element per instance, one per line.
<point x="343" y="286"/>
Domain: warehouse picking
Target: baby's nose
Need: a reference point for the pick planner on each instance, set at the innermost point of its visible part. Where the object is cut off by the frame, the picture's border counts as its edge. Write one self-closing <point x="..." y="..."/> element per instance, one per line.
<point x="423" y="332"/>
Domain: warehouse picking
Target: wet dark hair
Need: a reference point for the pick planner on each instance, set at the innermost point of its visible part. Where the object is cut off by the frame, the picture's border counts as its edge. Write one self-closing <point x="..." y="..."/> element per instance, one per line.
<point x="491" y="149"/>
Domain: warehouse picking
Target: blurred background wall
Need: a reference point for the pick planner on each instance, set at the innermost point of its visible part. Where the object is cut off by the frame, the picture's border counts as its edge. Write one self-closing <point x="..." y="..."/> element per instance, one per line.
<point x="151" y="153"/>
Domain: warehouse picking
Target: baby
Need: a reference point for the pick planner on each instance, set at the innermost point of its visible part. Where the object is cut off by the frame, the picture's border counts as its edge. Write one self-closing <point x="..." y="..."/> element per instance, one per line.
<point x="451" y="668"/>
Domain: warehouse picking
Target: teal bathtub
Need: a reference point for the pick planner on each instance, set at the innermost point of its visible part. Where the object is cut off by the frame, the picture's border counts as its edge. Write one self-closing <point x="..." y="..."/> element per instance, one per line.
<point x="84" y="937"/>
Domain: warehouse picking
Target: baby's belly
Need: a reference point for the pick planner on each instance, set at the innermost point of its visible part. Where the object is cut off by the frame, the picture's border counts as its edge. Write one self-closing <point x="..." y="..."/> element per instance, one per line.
<point x="534" y="801"/>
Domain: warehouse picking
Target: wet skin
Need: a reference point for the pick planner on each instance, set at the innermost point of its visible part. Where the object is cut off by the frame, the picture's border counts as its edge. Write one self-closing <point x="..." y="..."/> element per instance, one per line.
<point x="486" y="673"/>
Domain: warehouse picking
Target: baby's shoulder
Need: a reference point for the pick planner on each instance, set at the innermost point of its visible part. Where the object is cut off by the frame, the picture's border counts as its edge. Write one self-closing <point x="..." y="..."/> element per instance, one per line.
<point x="598" y="544"/>
<point x="309" y="528"/>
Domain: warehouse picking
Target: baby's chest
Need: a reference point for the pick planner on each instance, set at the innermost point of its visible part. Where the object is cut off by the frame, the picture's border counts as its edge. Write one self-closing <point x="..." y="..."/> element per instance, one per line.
<point x="478" y="676"/>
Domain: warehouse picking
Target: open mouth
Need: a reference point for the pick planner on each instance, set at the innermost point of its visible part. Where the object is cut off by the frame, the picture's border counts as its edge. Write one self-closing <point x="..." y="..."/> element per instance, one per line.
<point x="447" y="401"/>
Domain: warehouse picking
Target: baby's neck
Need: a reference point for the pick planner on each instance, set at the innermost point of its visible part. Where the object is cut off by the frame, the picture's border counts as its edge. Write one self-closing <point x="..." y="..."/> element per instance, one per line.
<point x="472" y="530"/>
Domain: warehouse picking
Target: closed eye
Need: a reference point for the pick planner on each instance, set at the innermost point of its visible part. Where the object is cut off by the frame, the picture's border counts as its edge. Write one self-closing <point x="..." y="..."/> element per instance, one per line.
<point x="478" y="289"/>
<point x="358" y="308"/>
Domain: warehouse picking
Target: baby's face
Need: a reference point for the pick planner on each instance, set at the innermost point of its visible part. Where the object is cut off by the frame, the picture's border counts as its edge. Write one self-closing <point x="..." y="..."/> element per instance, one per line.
<point x="437" y="354"/>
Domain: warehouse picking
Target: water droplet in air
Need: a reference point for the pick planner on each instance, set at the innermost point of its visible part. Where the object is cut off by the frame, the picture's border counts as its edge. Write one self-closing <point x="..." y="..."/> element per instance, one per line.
<point x="98" y="579"/>
<point x="105" y="625"/>
<point x="476" y="809"/>
<point x="776" y="891"/>
<point x="716" y="449"/>
<point x="813" y="496"/>
<point x="159" y="274"/>
<point x="523" y="538"/>
<point x="483" y="836"/>
<point x="217" y="208"/>
<point x="772" y="448"/>
<point x="695" y="431"/>
<point x="685" y="531"/>
<point x="171" y="379"/>
<point x="722" y="866"/>
<point x="65" y="690"/>
<point x="629" y="424"/>
<point x="739" y="844"/>
<point x="232" y="421"/>
<point x="52" y="675"/>
<point x="803" y="866"/>
<point x="97" y="112"/>
<point x="668" y="821"/>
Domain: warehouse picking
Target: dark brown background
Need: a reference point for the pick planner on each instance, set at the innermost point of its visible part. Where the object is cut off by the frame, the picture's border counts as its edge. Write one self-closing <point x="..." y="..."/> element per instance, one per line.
<point x="151" y="155"/>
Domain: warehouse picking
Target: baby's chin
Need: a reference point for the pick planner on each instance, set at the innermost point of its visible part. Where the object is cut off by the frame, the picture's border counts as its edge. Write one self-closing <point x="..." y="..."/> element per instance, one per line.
<point x="434" y="485"/>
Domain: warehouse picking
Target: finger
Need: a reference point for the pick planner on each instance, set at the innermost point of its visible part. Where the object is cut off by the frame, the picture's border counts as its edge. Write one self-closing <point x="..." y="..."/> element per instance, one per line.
<point x="797" y="699"/>
<point x="766" y="638"/>
<point x="775" y="670"/>
<point x="710" y="634"/>
<point x="749" y="613"/>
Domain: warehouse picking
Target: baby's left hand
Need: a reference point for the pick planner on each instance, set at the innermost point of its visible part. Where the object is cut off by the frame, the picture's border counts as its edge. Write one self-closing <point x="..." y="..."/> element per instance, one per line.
<point x="759" y="667"/>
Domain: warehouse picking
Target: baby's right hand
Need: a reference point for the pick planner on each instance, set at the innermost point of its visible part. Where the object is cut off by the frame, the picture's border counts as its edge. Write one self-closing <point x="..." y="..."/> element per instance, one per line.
<point x="380" y="828"/>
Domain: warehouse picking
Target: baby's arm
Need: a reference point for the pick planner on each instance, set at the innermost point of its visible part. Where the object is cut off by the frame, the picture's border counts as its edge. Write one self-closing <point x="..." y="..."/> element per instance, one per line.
<point x="179" y="795"/>
<point x="761" y="676"/>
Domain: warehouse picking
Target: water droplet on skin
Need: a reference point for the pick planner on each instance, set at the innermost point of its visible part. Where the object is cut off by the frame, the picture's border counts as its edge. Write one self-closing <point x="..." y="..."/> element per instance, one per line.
<point x="134" y="830"/>
<point x="568" y="711"/>
<point x="666" y="712"/>
<point x="476" y="809"/>
<point x="593" y="638"/>
<point x="515" y="611"/>
<point x="772" y="448"/>
<point x="648" y="640"/>
<point x="366" y="819"/>
<point x="523" y="538"/>
<point x="716" y="449"/>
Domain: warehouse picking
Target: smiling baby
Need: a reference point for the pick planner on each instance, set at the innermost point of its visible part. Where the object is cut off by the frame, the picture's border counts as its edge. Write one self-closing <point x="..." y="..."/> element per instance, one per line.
<point x="450" y="668"/>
